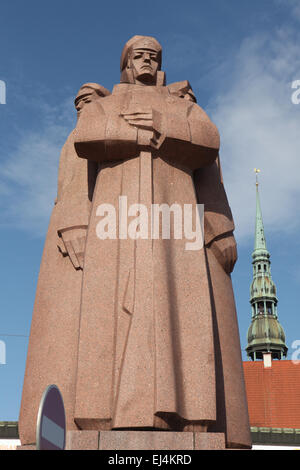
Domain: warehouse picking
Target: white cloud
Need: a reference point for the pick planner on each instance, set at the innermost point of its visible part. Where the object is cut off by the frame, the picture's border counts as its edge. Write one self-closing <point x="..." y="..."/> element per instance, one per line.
<point x="260" y="127"/>
<point x="292" y="5"/>
<point x="28" y="175"/>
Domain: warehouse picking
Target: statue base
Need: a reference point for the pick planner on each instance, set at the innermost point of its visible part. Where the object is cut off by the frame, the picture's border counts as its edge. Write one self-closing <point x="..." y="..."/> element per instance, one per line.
<point x="141" y="440"/>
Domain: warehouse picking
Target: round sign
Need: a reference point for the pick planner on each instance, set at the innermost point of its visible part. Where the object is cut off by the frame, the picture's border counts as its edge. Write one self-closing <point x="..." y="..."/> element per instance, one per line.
<point x="51" y="421"/>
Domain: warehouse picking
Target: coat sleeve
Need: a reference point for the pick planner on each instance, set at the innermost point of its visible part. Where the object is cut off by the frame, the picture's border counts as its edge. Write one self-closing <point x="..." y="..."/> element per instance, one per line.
<point x="191" y="139"/>
<point x="76" y="180"/>
<point x="103" y="135"/>
<point x="218" y="220"/>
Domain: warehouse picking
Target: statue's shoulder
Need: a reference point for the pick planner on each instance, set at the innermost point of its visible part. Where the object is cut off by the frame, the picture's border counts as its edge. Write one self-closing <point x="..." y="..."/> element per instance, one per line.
<point x="182" y="90"/>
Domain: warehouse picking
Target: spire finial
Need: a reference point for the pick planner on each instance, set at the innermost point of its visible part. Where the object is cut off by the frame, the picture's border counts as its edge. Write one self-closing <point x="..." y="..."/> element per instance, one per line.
<point x="257" y="170"/>
<point x="260" y="241"/>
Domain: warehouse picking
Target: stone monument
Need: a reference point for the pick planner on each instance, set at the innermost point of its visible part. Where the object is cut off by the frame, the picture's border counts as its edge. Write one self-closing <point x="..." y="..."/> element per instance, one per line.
<point x="138" y="332"/>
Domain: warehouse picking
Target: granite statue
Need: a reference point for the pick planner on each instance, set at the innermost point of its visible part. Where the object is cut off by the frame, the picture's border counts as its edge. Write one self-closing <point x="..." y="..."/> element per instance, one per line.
<point x="138" y="333"/>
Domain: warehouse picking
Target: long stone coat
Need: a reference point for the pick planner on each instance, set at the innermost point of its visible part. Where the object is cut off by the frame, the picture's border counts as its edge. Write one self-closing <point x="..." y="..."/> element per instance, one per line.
<point x="147" y="336"/>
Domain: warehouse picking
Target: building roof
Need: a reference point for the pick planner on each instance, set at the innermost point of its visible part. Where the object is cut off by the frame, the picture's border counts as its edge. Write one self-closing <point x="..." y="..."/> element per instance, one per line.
<point x="9" y="430"/>
<point x="275" y="436"/>
<point x="265" y="334"/>
<point x="273" y="393"/>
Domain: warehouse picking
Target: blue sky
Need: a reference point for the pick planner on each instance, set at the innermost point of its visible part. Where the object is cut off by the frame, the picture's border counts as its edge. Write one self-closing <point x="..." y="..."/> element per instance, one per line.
<point x="240" y="57"/>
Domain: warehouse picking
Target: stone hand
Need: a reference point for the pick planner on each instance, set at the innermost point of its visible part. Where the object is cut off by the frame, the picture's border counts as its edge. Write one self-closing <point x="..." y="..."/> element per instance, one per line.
<point x="72" y="243"/>
<point x="225" y="251"/>
<point x="147" y="119"/>
<point x="140" y="118"/>
<point x="159" y="134"/>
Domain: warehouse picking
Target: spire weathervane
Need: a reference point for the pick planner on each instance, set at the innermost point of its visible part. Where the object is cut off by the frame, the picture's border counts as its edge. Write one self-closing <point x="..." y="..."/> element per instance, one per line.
<point x="257" y="170"/>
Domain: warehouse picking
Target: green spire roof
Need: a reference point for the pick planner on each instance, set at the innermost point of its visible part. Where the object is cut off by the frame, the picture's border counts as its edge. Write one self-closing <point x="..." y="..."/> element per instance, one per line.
<point x="259" y="239"/>
<point x="265" y="334"/>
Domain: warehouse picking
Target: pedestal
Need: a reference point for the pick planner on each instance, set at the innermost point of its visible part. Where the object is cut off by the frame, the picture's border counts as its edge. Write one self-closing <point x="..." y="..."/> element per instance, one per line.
<point x="144" y="440"/>
<point x="141" y="440"/>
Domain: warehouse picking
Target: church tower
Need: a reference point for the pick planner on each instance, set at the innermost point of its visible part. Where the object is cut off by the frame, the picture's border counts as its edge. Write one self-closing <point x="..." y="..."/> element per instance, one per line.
<point x="265" y="334"/>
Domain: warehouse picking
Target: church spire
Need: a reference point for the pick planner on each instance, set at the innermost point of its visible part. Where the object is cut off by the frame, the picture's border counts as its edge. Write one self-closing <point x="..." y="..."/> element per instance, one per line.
<point x="265" y="334"/>
<point x="259" y="239"/>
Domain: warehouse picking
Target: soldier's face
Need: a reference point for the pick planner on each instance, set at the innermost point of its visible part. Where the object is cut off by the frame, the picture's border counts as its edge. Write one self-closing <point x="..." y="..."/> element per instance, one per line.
<point x="144" y="64"/>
